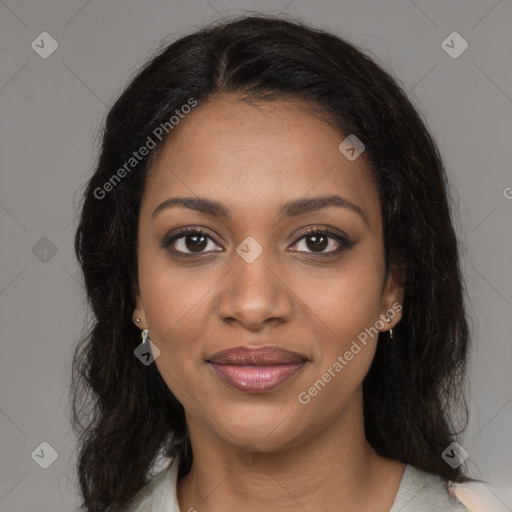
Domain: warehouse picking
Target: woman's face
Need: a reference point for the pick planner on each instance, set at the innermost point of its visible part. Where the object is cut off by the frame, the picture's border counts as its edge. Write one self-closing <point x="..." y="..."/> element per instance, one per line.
<point x="254" y="279"/>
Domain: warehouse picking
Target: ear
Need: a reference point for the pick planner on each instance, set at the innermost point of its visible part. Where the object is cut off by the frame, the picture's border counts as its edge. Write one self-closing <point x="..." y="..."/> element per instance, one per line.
<point x="393" y="296"/>
<point x="138" y="311"/>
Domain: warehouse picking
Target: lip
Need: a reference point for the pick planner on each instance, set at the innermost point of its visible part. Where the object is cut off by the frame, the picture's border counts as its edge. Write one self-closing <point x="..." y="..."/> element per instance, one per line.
<point x="257" y="370"/>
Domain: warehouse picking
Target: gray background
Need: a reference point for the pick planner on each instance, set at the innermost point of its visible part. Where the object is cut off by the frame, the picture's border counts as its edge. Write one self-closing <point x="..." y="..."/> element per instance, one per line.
<point x="51" y="110"/>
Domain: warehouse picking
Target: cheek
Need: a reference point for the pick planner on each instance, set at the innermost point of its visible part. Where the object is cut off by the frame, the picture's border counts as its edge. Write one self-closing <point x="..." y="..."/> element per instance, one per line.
<point x="344" y="302"/>
<point x="175" y="299"/>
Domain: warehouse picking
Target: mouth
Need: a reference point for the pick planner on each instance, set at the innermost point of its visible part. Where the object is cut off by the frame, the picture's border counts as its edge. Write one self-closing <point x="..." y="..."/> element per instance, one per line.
<point x="256" y="370"/>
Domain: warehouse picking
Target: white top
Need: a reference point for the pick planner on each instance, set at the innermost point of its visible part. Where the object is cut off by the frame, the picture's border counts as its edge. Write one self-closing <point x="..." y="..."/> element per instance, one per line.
<point x="419" y="491"/>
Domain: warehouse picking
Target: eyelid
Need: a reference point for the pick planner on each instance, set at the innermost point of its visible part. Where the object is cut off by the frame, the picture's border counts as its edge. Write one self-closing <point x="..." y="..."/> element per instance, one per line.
<point x="327" y="230"/>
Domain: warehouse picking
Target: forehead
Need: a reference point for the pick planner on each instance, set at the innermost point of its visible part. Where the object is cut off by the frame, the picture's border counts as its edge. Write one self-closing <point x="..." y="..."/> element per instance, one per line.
<point x="258" y="155"/>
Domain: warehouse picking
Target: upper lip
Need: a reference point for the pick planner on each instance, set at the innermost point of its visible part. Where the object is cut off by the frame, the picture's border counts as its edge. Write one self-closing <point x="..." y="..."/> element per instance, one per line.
<point x="257" y="356"/>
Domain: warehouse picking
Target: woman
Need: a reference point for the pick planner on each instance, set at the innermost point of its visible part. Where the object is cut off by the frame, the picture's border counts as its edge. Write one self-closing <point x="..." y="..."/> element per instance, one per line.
<point x="274" y="275"/>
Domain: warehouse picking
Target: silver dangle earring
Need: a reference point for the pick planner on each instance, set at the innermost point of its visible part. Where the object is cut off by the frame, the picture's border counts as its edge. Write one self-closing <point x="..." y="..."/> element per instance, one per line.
<point x="390" y="330"/>
<point x="145" y="335"/>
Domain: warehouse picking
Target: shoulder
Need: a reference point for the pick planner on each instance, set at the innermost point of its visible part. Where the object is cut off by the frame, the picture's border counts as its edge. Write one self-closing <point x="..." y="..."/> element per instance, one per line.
<point x="159" y="493"/>
<point x="420" y="491"/>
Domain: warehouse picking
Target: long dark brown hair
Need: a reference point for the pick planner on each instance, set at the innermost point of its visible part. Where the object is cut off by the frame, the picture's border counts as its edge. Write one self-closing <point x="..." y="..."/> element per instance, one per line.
<point x="123" y="411"/>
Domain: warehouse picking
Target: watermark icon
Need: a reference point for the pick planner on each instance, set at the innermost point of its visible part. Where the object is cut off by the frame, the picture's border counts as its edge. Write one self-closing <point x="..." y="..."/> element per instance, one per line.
<point x="143" y="151"/>
<point x="249" y="250"/>
<point x="147" y="354"/>
<point x="44" y="250"/>
<point x="45" y="455"/>
<point x="351" y="147"/>
<point x="304" y="397"/>
<point x="454" y="45"/>
<point x="454" y="455"/>
<point x="248" y="455"/>
<point x="44" y="45"/>
<point x="507" y="192"/>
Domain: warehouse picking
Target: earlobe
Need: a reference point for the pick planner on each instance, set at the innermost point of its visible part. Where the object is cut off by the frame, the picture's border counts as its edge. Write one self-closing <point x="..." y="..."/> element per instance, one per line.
<point x="139" y="316"/>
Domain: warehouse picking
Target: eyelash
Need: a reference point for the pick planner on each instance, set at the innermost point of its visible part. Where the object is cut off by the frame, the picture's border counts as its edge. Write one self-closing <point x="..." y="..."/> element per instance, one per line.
<point x="344" y="243"/>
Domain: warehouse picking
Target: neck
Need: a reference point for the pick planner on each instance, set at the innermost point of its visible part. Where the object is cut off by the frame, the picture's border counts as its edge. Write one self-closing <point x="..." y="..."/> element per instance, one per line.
<point x="334" y="468"/>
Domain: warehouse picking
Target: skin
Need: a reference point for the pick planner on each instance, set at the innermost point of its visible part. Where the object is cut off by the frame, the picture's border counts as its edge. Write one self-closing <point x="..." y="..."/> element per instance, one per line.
<point x="267" y="451"/>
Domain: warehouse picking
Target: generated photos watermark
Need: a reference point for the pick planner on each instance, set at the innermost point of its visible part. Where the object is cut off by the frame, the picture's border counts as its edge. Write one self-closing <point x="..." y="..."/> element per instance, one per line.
<point x="304" y="397"/>
<point x="143" y="151"/>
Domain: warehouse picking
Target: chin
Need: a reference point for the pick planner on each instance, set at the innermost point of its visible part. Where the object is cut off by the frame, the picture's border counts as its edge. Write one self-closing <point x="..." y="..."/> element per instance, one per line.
<point x="265" y="430"/>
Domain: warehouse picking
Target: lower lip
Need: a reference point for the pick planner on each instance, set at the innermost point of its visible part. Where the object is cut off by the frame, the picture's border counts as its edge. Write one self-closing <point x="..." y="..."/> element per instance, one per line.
<point x="256" y="379"/>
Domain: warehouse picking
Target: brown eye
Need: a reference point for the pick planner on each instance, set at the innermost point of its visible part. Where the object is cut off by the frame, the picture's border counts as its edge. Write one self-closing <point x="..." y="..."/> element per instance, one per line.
<point x="317" y="243"/>
<point x="190" y="241"/>
<point x="321" y="241"/>
<point x="195" y="243"/>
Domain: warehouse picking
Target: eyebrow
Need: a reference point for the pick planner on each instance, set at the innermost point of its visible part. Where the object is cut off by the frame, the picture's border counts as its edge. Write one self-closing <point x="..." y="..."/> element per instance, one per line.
<point x="291" y="209"/>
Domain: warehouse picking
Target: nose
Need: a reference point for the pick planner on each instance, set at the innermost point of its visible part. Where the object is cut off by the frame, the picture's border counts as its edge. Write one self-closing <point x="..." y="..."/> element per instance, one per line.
<point x="254" y="295"/>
